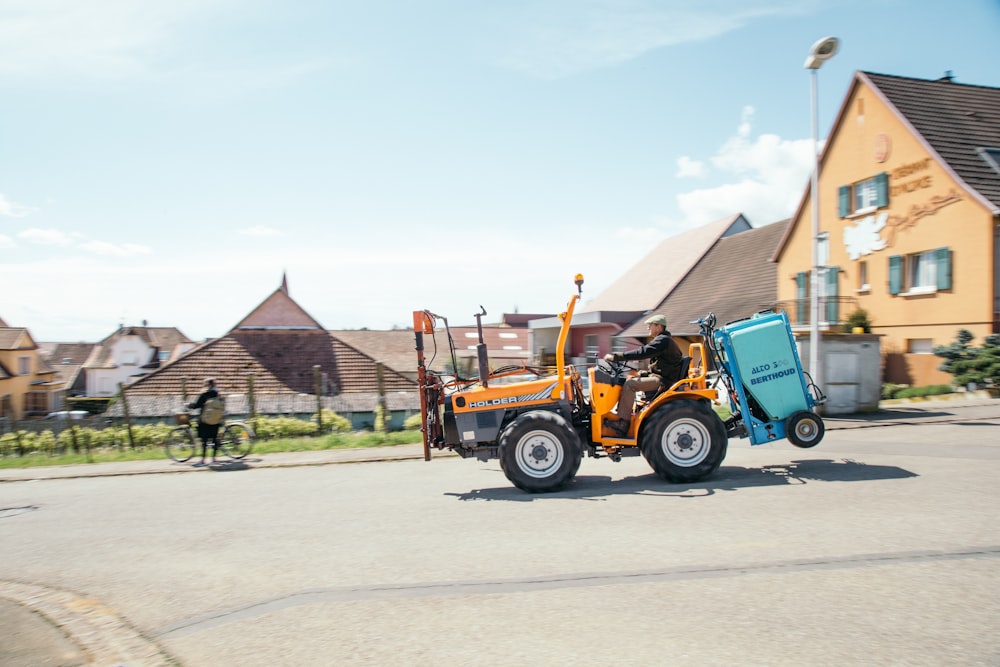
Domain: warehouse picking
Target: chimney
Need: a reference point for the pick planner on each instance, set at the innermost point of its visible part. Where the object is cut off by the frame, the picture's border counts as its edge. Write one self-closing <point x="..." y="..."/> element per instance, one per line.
<point x="948" y="77"/>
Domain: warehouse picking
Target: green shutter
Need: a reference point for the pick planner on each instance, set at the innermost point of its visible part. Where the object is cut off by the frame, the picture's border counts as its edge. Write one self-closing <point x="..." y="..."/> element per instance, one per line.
<point x="943" y="258"/>
<point x="832" y="294"/>
<point x="895" y="274"/>
<point x="801" y="283"/>
<point x="844" y="200"/>
<point x="882" y="189"/>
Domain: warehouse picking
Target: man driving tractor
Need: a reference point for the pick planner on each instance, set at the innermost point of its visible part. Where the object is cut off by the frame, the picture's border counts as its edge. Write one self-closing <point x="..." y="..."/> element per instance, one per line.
<point x="664" y="369"/>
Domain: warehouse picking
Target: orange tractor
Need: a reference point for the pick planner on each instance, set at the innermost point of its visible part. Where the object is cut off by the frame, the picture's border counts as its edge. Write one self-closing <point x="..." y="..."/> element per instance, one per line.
<point x="540" y="428"/>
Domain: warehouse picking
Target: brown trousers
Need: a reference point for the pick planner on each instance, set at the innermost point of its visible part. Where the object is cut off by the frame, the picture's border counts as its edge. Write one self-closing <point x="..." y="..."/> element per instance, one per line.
<point x="632" y="386"/>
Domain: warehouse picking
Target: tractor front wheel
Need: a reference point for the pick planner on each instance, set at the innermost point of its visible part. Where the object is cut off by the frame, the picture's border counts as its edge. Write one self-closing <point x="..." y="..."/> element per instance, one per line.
<point x="685" y="441"/>
<point x="540" y="451"/>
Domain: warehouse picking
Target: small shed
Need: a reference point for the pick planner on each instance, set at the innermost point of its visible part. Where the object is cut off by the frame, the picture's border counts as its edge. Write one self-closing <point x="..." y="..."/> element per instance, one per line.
<point x="851" y="374"/>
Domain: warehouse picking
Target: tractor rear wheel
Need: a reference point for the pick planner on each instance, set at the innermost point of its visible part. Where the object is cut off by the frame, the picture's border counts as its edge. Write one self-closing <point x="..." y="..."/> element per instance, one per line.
<point x="804" y="429"/>
<point x="685" y="441"/>
<point x="540" y="451"/>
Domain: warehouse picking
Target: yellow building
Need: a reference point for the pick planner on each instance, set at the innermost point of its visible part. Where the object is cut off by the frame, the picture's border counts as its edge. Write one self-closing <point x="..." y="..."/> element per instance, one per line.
<point x="27" y="386"/>
<point x="909" y="206"/>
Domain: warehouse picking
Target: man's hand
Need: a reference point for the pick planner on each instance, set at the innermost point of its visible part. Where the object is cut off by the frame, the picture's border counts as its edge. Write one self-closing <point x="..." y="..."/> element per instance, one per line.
<point x="613" y="357"/>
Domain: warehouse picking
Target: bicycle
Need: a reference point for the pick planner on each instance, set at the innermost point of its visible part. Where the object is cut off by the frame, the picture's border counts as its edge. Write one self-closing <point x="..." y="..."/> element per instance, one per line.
<point x="235" y="439"/>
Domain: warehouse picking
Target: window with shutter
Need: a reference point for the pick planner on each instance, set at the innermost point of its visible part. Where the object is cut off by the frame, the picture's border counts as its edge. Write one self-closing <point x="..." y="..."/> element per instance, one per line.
<point x="942" y="257"/>
<point x="801" y="296"/>
<point x="831" y="293"/>
<point x="895" y="274"/>
<point x="882" y="189"/>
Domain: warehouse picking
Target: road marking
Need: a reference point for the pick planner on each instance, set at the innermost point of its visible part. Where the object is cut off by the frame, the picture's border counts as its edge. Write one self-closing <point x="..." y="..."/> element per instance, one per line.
<point x="505" y="586"/>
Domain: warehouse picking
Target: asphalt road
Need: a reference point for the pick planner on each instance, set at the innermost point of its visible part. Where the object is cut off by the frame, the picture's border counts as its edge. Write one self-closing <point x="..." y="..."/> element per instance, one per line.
<point x="881" y="546"/>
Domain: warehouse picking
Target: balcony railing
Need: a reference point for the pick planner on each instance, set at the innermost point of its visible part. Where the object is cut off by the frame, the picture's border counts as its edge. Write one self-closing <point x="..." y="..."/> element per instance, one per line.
<point x="833" y="311"/>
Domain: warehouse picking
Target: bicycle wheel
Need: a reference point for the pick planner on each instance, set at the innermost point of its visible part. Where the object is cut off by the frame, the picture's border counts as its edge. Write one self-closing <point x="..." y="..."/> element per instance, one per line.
<point x="180" y="444"/>
<point x="236" y="440"/>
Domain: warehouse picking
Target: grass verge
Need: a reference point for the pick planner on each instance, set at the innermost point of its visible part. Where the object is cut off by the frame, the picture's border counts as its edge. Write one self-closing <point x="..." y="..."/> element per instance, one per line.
<point x="115" y="454"/>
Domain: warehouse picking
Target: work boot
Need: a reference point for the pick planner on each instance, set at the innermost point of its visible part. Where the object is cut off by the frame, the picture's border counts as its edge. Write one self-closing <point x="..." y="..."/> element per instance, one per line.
<point x="617" y="428"/>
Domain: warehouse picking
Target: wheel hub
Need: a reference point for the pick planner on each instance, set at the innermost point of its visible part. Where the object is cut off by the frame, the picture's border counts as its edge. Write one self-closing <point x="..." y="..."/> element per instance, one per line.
<point x="685" y="441"/>
<point x="539" y="453"/>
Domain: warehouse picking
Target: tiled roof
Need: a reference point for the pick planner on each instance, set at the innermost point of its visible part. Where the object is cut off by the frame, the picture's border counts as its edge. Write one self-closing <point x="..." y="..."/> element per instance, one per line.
<point x="279" y="311"/>
<point x="735" y="279"/>
<point x="158" y="338"/>
<point x="15" y="338"/>
<point x="651" y="279"/>
<point x="58" y="353"/>
<point x="956" y="120"/>
<point x="281" y="361"/>
<point x="397" y="348"/>
<point x="394" y="348"/>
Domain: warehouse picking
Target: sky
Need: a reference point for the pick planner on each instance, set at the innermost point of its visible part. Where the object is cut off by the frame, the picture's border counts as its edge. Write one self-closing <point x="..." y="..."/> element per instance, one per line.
<point x="170" y="162"/>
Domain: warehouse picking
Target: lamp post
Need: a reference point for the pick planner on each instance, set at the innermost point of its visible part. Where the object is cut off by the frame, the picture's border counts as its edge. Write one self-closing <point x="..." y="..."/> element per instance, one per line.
<point x="821" y="51"/>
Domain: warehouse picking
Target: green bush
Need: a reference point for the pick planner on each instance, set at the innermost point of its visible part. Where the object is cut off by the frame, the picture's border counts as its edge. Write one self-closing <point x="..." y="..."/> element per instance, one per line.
<point x="413" y="423"/>
<point x="890" y="390"/>
<point x="920" y="392"/>
<point x="332" y="422"/>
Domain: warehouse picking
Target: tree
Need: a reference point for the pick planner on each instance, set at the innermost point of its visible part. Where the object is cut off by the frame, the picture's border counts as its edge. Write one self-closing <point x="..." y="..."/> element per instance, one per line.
<point x="968" y="364"/>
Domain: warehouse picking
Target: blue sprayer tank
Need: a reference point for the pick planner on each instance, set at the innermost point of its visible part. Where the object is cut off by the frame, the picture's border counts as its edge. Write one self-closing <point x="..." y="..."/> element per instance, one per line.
<point x="762" y="359"/>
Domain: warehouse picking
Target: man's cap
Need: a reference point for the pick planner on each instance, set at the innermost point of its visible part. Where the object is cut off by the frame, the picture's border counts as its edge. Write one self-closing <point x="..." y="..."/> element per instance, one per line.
<point x="658" y="319"/>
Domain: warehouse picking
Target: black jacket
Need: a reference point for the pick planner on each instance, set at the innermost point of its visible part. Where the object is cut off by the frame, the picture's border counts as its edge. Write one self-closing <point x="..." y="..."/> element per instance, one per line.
<point x="205" y="395"/>
<point x="664" y="355"/>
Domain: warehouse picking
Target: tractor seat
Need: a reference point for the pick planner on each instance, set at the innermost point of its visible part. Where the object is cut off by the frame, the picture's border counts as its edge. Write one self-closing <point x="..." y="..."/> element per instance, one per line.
<point x="685" y="367"/>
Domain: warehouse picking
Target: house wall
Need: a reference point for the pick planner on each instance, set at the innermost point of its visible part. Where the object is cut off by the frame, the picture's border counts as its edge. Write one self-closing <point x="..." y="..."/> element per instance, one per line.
<point x="927" y="209"/>
<point x="126" y="355"/>
<point x="14" y="389"/>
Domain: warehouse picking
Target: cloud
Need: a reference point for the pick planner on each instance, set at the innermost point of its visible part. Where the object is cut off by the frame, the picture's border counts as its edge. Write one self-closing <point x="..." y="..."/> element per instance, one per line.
<point x="111" y="38"/>
<point x="7" y="242"/>
<point x="687" y="168"/>
<point x="562" y="37"/>
<point x="46" y="237"/>
<point x="11" y="209"/>
<point x="770" y="177"/>
<point x="260" y="230"/>
<point x="115" y="249"/>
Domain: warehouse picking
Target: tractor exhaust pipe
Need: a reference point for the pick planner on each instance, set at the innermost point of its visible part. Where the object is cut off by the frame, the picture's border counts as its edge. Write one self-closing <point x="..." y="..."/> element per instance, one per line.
<point x="481" y="355"/>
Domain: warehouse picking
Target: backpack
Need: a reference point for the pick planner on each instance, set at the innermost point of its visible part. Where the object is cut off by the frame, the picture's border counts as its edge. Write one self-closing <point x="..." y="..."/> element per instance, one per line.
<point x="212" y="411"/>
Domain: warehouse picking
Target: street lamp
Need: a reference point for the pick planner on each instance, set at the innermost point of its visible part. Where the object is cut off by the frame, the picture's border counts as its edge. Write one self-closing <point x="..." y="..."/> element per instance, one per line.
<point x="821" y="51"/>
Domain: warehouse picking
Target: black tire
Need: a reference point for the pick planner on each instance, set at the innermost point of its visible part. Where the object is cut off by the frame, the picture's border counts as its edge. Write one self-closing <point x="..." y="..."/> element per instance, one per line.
<point x="540" y="451"/>
<point x="804" y="429"/>
<point x="236" y="440"/>
<point x="684" y="441"/>
<point x="180" y="444"/>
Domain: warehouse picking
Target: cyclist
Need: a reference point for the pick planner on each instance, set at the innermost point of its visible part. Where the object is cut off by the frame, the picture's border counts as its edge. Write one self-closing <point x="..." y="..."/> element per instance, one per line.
<point x="207" y="431"/>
